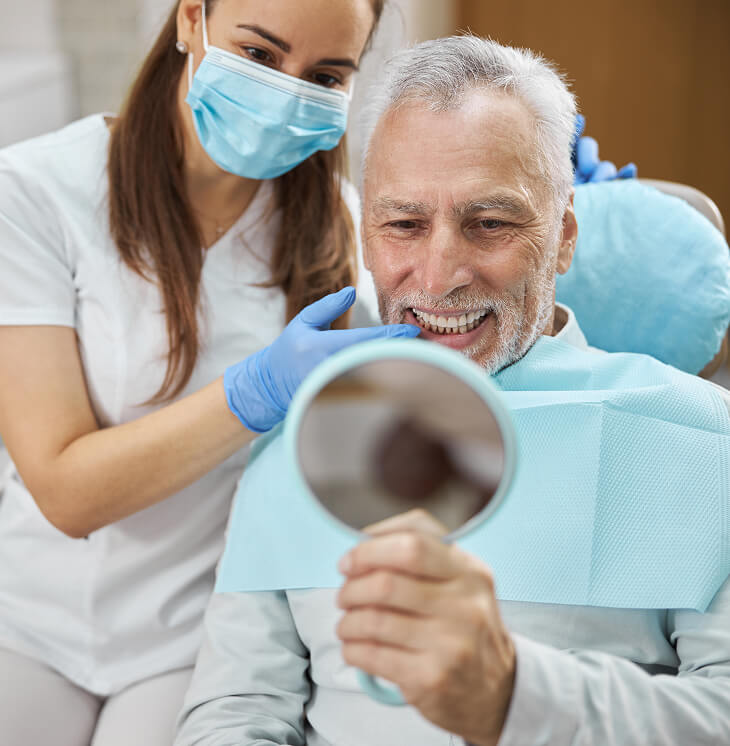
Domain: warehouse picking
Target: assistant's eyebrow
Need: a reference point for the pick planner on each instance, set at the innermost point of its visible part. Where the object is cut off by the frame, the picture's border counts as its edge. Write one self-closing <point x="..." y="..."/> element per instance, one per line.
<point x="388" y="204"/>
<point x="339" y="62"/>
<point x="264" y="34"/>
<point x="286" y="47"/>
<point x="503" y="203"/>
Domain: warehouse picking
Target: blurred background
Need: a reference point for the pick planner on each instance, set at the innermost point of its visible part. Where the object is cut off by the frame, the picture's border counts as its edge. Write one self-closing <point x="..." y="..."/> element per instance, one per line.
<point x="651" y="75"/>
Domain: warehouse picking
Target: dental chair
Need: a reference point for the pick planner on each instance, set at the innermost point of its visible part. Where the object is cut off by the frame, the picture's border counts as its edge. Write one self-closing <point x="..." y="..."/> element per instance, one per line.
<point x="651" y="272"/>
<point x="703" y="204"/>
<point x="699" y="200"/>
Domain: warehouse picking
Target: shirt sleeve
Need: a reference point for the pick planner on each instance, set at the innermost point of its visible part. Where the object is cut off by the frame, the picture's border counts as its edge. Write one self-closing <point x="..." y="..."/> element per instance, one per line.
<point x="579" y="697"/>
<point x="250" y="683"/>
<point x="36" y="279"/>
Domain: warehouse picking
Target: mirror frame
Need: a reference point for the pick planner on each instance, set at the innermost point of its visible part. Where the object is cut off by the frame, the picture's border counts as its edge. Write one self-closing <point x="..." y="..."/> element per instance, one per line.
<point x="430" y="353"/>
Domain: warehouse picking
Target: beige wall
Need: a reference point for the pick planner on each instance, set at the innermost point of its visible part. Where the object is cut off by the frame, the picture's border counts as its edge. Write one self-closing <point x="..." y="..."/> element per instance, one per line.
<point x="104" y="41"/>
<point x="651" y="77"/>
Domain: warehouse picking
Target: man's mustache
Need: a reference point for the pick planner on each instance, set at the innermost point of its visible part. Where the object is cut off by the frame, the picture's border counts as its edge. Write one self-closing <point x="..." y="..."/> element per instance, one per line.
<point x="455" y="301"/>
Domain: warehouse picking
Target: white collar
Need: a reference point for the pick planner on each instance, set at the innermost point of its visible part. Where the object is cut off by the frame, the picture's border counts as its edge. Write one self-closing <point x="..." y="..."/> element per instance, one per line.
<point x="571" y="331"/>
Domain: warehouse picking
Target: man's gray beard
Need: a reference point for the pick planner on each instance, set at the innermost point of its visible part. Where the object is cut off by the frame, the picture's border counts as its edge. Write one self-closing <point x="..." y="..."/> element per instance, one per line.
<point x="515" y="336"/>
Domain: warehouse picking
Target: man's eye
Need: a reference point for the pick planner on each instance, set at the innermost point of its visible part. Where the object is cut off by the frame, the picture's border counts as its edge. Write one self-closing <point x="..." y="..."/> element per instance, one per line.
<point x="328" y="81"/>
<point x="405" y="225"/>
<point x="490" y="224"/>
<point x="258" y="55"/>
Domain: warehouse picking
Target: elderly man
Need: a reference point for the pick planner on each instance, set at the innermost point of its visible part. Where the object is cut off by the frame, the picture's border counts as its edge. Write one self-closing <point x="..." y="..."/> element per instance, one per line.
<point x="467" y="216"/>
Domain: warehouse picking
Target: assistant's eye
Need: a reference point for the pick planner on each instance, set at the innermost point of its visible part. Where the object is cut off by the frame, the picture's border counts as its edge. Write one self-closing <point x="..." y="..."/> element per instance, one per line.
<point x="326" y="80"/>
<point x="258" y="55"/>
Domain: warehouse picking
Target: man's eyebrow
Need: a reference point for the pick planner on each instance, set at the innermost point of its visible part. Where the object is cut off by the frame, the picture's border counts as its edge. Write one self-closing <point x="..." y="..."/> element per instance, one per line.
<point x="264" y="34"/>
<point x="388" y="204"/>
<point x="503" y="203"/>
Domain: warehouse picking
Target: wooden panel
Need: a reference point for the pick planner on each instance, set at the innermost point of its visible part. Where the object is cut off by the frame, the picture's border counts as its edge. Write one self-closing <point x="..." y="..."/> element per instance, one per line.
<point x="652" y="77"/>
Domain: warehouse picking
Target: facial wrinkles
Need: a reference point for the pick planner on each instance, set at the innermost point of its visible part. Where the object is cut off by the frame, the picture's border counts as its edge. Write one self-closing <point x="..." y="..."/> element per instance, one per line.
<point x="539" y="293"/>
<point x="515" y="280"/>
<point x="519" y="321"/>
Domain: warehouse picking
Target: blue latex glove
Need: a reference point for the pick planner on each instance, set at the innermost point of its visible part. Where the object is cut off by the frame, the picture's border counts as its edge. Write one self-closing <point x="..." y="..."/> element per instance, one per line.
<point x="586" y="163"/>
<point x="260" y="388"/>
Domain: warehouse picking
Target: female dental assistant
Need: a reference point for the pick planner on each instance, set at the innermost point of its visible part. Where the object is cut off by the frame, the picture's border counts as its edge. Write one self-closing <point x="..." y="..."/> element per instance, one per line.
<point x="148" y="265"/>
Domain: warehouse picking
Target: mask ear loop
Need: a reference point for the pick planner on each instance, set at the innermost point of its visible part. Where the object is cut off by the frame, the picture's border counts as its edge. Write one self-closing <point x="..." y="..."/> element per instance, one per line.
<point x="205" y="47"/>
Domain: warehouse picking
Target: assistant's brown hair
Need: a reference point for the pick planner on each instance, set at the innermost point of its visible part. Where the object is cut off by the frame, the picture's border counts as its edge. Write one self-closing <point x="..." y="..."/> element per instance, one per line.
<point x="159" y="237"/>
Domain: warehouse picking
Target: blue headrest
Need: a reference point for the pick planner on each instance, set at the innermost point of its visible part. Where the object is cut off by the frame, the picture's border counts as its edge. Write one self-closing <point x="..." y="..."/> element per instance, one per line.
<point x="650" y="274"/>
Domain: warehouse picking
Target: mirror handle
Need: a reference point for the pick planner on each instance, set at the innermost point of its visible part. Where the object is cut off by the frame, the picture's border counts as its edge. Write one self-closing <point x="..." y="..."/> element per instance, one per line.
<point x="388" y="695"/>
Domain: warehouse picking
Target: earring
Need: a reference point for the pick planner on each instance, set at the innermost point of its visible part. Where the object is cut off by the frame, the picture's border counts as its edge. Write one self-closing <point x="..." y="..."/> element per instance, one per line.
<point x="181" y="47"/>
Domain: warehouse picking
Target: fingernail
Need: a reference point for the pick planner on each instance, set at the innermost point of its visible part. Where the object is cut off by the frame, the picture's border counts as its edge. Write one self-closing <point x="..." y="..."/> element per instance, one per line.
<point x="345" y="564"/>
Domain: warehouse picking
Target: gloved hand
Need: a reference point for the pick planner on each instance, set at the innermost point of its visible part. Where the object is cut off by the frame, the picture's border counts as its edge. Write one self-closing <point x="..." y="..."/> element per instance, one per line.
<point x="586" y="163"/>
<point x="260" y="388"/>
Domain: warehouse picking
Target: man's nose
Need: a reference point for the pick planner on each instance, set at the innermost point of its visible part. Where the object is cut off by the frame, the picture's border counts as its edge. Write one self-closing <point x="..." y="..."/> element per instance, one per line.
<point x="445" y="263"/>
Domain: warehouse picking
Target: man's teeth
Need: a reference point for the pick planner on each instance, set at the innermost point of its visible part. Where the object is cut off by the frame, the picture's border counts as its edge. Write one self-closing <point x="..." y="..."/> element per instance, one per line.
<point x="450" y="324"/>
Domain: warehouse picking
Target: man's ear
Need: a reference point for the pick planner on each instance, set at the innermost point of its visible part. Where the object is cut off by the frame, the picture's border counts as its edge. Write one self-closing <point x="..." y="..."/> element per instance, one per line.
<point x="568" y="238"/>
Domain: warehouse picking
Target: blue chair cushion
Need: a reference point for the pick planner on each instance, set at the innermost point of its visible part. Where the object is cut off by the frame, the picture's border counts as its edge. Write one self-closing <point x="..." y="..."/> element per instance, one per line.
<point x="650" y="275"/>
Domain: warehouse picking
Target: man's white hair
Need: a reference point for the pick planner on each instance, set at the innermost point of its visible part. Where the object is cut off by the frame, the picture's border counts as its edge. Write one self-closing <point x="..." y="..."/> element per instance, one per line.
<point x="438" y="73"/>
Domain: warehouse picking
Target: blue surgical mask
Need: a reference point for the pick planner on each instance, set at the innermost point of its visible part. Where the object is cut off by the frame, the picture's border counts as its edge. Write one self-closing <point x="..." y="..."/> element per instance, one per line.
<point x="257" y="122"/>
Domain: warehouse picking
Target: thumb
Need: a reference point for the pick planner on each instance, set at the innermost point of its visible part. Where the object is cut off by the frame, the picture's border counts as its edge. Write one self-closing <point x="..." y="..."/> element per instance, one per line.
<point x="604" y="171"/>
<point x="324" y="311"/>
<point x="628" y="171"/>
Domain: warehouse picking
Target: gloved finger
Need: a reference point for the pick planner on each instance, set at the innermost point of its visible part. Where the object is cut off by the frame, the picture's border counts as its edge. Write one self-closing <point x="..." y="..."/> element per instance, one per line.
<point x="587" y="155"/>
<point x="339" y="339"/>
<point x="605" y="171"/>
<point x="324" y="311"/>
<point x="628" y="171"/>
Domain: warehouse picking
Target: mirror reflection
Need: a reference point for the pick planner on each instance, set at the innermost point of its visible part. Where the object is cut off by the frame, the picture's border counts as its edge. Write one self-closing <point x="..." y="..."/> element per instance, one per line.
<point x="392" y="436"/>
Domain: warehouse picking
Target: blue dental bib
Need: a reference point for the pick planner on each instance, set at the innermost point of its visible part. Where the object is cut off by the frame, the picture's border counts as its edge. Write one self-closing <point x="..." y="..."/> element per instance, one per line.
<point x="621" y="496"/>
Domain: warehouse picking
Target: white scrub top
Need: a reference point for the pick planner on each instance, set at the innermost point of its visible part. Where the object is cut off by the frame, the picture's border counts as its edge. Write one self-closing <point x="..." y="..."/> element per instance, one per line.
<point x="127" y="602"/>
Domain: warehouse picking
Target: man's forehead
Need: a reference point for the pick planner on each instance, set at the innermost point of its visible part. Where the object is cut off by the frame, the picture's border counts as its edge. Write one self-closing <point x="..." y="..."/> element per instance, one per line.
<point x="479" y="115"/>
<point x="478" y="151"/>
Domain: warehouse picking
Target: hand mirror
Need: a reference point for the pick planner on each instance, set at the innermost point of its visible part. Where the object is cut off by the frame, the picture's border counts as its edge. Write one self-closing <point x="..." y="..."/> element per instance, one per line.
<point x="388" y="427"/>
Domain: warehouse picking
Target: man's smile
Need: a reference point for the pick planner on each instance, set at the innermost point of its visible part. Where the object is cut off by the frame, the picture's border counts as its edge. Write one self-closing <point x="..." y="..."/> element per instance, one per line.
<point x="453" y="329"/>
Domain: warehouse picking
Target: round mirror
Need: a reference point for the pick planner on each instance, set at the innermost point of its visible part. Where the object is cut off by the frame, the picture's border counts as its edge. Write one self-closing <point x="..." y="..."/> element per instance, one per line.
<point x="395" y="434"/>
<point x="385" y="428"/>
